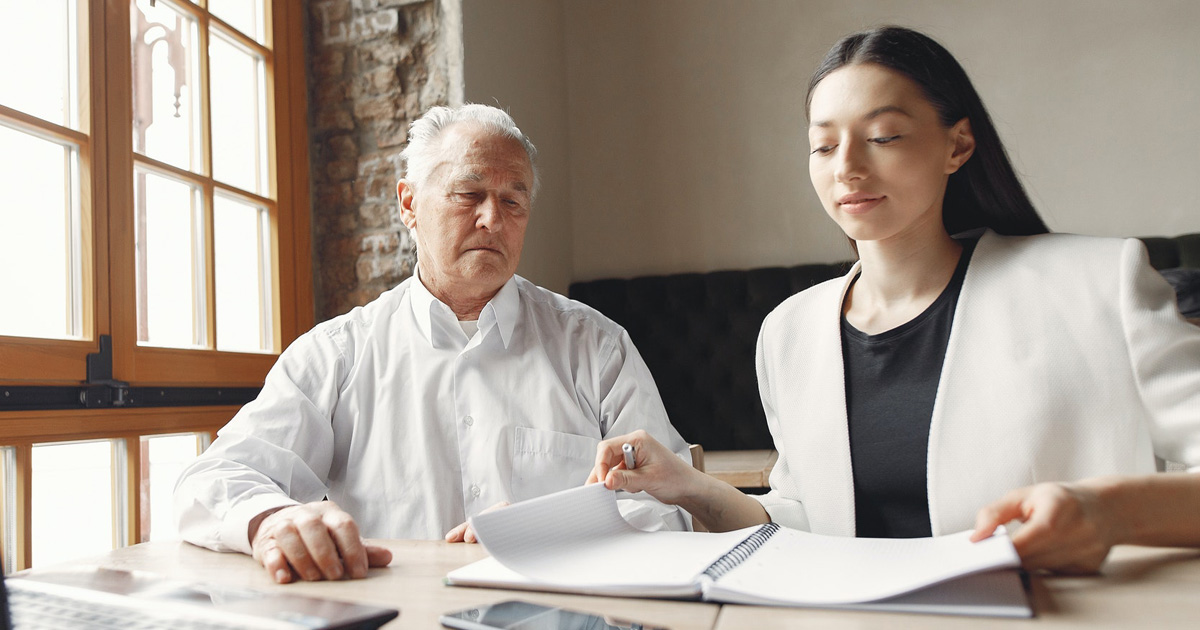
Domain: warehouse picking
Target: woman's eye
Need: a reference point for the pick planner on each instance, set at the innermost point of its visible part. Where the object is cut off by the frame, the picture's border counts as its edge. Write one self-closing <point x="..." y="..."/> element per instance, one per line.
<point x="885" y="139"/>
<point x="825" y="150"/>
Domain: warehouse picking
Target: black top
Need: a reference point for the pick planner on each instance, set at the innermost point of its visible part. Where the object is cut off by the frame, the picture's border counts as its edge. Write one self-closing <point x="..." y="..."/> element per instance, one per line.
<point x="891" y="383"/>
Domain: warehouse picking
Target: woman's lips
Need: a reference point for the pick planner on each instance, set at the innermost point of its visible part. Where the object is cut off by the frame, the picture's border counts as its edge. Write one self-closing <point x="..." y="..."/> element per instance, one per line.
<point x="859" y="203"/>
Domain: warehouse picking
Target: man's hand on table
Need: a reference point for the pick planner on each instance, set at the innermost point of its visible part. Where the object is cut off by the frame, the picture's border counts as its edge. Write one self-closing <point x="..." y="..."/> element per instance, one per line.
<point x="315" y="541"/>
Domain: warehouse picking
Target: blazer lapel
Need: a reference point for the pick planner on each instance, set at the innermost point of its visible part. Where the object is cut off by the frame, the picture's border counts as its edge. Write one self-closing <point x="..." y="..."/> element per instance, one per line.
<point x="971" y="460"/>
<point x="825" y="457"/>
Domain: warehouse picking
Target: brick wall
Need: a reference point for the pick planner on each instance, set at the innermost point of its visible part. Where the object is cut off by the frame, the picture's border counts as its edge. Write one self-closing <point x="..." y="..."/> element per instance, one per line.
<point x="374" y="65"/>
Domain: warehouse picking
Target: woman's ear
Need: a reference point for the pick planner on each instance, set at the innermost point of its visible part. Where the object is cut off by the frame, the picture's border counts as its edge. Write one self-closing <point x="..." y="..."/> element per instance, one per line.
<point x="964" y="145"/>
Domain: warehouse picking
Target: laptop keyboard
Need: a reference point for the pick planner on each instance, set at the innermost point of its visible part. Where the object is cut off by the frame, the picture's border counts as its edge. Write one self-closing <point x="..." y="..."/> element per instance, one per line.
<point x="38" y="610"/>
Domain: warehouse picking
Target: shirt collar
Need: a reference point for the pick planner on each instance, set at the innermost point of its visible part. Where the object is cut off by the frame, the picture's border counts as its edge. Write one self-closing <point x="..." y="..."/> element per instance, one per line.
<point x="502" y="311"/>
<point x="439" y="325"/>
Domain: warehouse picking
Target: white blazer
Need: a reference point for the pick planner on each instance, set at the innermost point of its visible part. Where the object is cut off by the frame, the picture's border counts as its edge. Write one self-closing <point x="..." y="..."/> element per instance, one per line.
<point x="1067" y="359"/>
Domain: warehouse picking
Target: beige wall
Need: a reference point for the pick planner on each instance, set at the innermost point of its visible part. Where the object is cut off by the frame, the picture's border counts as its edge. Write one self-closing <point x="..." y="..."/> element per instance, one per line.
<point x="513" y="58"/>
<point x="685" y="132"/>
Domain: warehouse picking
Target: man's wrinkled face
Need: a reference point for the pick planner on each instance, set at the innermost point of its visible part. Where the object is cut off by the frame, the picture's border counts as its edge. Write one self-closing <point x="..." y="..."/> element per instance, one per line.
<point x="469" y="216"/>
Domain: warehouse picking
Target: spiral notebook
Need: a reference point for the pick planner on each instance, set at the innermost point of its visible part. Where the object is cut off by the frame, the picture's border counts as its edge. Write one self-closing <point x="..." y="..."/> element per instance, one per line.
<point x="576" y="541"/>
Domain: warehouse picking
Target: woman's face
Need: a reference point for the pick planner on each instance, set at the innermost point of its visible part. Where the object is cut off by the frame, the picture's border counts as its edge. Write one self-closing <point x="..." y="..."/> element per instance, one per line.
<point x="880" y="157"/>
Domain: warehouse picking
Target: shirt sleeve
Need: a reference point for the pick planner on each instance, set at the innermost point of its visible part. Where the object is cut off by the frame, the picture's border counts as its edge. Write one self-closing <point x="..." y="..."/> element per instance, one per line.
<point x="1164" y="349"/>
<point x="780" y="502"/>
<point x="630" y="401"/>
<point x="275" y="452"/>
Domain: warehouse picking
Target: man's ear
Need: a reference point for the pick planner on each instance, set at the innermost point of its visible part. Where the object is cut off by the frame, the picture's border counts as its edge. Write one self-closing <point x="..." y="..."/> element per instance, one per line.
<point x="408" y="215"/>
<point x="964" y="145"/>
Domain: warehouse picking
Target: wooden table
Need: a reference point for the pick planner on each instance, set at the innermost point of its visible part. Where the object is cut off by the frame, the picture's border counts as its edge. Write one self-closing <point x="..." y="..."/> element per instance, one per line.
<point x="1139" y="587"/>
<point x="413" y="583"/>
<point x="741" y="469"/>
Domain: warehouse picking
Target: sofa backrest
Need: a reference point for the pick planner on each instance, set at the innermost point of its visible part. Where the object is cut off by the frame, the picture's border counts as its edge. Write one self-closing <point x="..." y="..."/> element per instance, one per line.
<point x="697" y="333"/>
<point x="1169" y="253"/>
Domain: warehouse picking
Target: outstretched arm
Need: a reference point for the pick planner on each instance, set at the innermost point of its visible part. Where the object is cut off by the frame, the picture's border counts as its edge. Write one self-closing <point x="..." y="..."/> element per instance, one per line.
<point x="1071" y="527"/>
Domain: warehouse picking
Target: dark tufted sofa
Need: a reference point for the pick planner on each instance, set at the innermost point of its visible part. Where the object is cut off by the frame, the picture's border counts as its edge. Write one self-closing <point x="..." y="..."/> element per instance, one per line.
<point x="697" y="332"/>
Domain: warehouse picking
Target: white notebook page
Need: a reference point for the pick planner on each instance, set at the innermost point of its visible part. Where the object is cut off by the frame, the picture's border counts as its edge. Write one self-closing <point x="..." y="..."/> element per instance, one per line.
<point x="578" y="538"/>
<point x="802" y="568"/>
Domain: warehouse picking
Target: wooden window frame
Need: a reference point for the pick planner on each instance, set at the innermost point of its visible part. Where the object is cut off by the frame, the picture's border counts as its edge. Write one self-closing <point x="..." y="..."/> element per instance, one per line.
<point x="109" y="287"/>
<point x="23" y="430"/>
<point x="28" y="360"/>
<point x="287" y="140"/>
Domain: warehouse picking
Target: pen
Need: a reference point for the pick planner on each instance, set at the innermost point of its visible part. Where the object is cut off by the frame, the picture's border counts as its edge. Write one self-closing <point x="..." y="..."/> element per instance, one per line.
<point x="630" y="463"/>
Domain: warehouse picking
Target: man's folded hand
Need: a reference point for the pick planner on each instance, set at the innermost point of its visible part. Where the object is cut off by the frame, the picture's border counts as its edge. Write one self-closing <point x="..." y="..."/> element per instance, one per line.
<point x="315" y="541"/>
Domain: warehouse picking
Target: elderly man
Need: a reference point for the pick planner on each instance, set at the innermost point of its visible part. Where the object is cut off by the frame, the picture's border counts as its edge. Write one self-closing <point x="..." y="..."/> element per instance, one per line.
<point x="464" y="387"/>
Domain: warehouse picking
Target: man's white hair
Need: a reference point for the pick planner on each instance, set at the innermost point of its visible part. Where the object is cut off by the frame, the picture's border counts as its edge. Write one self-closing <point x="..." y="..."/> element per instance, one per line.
<point x="425" y="131"/>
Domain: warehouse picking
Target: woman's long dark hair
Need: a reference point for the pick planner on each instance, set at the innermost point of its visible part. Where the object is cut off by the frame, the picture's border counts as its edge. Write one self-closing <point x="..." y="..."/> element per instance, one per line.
<point x="985" y="191"/>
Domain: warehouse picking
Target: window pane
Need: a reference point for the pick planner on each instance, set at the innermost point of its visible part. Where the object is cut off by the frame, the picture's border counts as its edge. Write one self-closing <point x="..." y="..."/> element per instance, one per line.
<point x="166" y="111"/>
<point x="72" y="486"/>
<point x="170" y="262"/>
<point x="163" y="458"/>
<point x="8" y="502"/>
<point x="243" y="288"/>
<point x="238" y="116"/>
<point x="45" y="31"/>
<point x="244" y="15"/>
<point x="40" y="259"/>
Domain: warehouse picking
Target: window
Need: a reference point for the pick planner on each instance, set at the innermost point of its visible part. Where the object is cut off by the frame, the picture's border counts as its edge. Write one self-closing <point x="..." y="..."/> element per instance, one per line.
<point x="153" y="190"/>
<point x="46" y="138"/>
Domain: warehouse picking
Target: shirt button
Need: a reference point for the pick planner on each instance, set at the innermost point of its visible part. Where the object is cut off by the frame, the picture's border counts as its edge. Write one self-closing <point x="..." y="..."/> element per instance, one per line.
<point x="474" y="489"/>
<point x="469" y="420"/>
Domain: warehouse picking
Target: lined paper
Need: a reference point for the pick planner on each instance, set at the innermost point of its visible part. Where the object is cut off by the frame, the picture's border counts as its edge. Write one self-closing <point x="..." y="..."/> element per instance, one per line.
<point x="577" y="537"/>
<point x="577" y="541"/>
<point x="797" y="567"/>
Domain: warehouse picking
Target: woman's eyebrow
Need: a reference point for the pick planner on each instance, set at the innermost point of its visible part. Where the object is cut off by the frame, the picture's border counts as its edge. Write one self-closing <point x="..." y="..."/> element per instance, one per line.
<point x="875" y="113"/>
<point x="886" y="109"/>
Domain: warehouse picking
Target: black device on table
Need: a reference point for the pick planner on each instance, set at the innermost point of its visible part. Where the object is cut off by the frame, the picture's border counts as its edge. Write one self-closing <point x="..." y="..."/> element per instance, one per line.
<point x="99" y="598"/>
<point x="519" y="615"/>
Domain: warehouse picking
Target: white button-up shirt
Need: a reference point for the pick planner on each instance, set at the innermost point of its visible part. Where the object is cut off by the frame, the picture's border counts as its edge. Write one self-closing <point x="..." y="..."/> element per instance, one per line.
<point x="394" y="414"/>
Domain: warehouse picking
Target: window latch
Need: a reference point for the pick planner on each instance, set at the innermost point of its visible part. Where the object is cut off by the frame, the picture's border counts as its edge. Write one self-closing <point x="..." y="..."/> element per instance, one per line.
<point x="101" y="389"/>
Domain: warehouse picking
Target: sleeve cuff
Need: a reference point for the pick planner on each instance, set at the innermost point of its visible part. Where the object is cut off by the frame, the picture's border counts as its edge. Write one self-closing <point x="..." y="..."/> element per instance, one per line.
<point x="235" y="527"/>
<point x="786" y="512"/>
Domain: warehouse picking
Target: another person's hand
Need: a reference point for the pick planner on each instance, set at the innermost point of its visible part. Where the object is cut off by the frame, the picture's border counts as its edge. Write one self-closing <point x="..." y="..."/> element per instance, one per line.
<point x="315" y="541"/>
<point x="1066" y="526"/>
<point x="658" y="471"/>
<point x="464" y="532"/>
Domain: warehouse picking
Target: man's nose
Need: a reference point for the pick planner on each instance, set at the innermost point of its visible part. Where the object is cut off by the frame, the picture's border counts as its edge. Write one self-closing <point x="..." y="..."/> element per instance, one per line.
<point x="488" y="214"/>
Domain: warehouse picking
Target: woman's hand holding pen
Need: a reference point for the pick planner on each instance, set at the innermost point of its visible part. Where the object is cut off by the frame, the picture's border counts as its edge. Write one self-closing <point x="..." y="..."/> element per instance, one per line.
<point x="658" y="471"/>
<point x="717" y="505"/>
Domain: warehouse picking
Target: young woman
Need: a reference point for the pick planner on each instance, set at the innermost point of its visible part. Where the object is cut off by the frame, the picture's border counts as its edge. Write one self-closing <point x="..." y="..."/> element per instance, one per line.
<point x="971" y="369"/>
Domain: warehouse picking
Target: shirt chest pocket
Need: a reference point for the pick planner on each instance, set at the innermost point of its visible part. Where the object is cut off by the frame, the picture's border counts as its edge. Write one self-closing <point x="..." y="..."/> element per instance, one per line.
<point x="549" y="461"/>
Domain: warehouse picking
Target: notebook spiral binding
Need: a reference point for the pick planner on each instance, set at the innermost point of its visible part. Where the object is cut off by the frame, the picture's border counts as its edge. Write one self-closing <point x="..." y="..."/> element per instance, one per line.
<point x="743" y="550"/>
